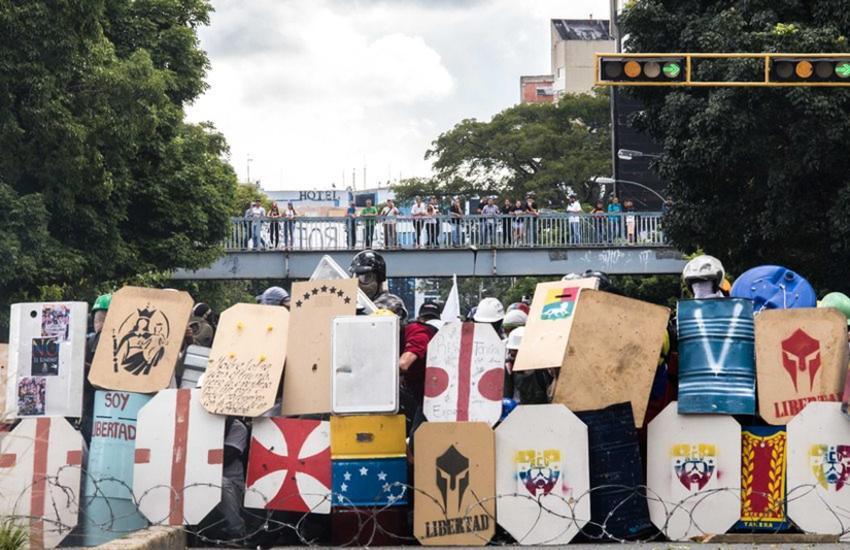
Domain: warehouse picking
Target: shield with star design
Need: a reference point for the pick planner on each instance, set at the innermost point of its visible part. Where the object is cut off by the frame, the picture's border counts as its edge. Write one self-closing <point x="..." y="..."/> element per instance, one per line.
<point x="289" y="466"/>
<point x="370" y="482"/>
<point x="307" y="377"/>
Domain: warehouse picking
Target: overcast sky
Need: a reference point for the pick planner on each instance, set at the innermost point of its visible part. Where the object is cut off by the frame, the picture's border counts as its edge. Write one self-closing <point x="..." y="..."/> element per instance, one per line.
<point x="312" y="89"/>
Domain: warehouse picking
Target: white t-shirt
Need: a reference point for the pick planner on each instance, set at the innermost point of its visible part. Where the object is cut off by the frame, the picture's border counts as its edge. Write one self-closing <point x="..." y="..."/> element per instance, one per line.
<point x="389" y="213"/>
<point x="418" y="209"/>
<point x="574" y="207"/>
<point x="258" y="212"/>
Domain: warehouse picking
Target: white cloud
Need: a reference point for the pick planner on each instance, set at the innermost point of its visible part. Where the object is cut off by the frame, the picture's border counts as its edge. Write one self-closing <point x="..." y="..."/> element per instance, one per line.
<point x="312" y="89"/>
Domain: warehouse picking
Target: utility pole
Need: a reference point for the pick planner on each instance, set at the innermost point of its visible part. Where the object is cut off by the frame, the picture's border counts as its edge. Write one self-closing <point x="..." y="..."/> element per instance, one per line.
<point x="248" y="168"/>
<point x="615" y="34"/>
<point x="354" y="179"/>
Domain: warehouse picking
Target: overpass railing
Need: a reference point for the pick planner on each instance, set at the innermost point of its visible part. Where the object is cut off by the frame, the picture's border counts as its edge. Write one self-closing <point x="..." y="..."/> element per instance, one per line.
<point x="638" y="229"/>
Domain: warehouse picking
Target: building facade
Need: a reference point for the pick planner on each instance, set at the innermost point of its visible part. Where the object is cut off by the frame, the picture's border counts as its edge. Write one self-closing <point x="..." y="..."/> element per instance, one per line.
<point x="537" y="89"/>
<point x="574" y="43"/>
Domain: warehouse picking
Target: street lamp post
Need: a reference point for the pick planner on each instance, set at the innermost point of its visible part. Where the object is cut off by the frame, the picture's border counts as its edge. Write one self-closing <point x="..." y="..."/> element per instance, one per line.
<point x="629" y="154"/>
<point x="611" y="181"/>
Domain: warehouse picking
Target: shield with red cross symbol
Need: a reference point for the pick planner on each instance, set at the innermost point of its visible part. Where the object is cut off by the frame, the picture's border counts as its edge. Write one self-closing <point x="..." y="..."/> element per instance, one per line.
<point x="40" y="478"/>
<point x="178" y="460"/>
<point x="465" y="374"/>
<point x="289" y="466"/>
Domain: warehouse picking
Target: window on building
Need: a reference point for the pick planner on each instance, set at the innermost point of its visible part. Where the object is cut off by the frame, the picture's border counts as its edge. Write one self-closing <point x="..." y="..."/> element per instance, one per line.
<point x="560" y="73"/>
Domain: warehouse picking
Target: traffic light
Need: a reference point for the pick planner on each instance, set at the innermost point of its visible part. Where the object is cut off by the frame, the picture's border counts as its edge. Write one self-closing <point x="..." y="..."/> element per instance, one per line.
<point x="809" y="69"/>
<point x="642" y="69"/>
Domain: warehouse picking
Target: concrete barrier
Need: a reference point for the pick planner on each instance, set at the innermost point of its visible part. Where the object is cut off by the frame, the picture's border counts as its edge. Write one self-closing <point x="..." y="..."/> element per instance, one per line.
<point x="153" y="538"/>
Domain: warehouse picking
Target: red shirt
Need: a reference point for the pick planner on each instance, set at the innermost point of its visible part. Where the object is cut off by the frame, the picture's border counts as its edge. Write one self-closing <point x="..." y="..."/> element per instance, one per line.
<point x="416" y="338"/>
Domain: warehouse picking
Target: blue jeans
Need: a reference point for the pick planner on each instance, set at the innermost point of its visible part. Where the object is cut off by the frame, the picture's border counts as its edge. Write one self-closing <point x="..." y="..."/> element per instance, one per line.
<point x="256" y="234"/>
<point x="455" y="233"/>
<point x="575" y="232"/>
<point x="289" y="233"/>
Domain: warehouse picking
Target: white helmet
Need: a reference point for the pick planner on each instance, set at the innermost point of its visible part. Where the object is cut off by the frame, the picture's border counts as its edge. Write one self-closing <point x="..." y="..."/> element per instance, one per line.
<point x="490" y="310"/>
<point x="704" y="268"/>
<point x="515" y="338"/>
<point x="515" y="317"/>
<point x="572" y="276"/>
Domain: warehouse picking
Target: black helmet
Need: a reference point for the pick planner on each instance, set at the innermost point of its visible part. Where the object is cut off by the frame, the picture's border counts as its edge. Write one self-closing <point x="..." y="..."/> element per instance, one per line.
<point x="604" y="281"/>
<point x="369" y="261"/>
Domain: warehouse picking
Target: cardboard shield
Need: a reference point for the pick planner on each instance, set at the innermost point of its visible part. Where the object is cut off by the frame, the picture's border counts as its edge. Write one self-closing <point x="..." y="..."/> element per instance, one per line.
<point x="550" y="320"/>
<point x="542" y="475"/>
<point x="819" y="470"/>
<point x="455" y="499"/>
<point x="329" y="270"/>
<point x="178" y="458"/>
<point x="801" y="356"/>
<point x="693" y="473"/>
<point x="615" y="343"/>
<point x="47" y="346"/>
<point x="763" y="478"/>
<point x="246" y="361"/>
<point x="141" y="340"/>
<point x="465" y="374"/>
<point x="289" y="466"/>
<point x="307" y="379"/>
<point x="364" y="366"/>
<point x="40" y="478"/>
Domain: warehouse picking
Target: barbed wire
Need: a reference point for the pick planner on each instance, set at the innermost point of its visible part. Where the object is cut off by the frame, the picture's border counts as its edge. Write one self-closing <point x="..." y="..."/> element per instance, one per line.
<point x="261" y="527"/>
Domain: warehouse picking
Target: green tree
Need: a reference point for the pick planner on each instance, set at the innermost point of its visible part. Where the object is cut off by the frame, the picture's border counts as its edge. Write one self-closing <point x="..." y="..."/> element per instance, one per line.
<point x="101" y="179"/>
<point x="542" y="148"/>
<point x="757" y="175"/>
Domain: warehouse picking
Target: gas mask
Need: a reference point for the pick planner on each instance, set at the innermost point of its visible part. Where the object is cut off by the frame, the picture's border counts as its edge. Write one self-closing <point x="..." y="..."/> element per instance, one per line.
<point x="368" y="283"/>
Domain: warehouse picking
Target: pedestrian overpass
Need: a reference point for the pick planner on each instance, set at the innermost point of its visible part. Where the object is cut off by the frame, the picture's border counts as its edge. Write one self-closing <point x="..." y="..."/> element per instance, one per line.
<point x="472" y="246"/>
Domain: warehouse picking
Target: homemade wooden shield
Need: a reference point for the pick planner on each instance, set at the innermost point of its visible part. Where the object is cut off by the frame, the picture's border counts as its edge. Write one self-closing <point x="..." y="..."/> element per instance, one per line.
<point x="801" y="356"/>
<point x="307" y="379"/>
<point x="618" y="505"/>
<point x="693" y="473"/>
<point x="289" y="466"/>
<point x="615" y="343"/>
<point x="763" y="478"/>
<point x="455" y="499"/>
<point x="368" y="436"/>
<point x="542" y="477"/>
<point x="178" y="458"/>
<point x="819" y="469"/>
<point x="465" y="374"/>
<point x="246" y="361"/>
<point x="328" y="270"/>
<point x="40" y="478"/>
<point x="364" y="365"/>
<point x="141" y="340"/>
<point x="550" y="319"/>
<point x="47" y="346"/>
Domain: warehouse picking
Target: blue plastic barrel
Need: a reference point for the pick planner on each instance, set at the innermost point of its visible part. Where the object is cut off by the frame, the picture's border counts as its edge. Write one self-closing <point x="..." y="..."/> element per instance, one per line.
<point x="717" y="369"/>
<point x="774" y="287"/>
<point x="108" y="507"/>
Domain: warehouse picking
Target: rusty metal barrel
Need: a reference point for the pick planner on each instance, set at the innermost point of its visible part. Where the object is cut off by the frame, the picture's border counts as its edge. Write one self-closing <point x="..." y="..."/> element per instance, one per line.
<point x="717" y="370"/>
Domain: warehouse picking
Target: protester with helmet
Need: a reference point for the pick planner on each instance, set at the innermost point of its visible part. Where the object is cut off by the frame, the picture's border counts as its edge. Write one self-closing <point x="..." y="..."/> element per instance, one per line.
<point x="371" y="271"/>
<point x="98" y="313"/>
<point x="839" y="301"/>
<point x="514" y="319"/>
<point x="490" y="310"/>
<point x="274" y="296"/>
<point x="703" y="276"/>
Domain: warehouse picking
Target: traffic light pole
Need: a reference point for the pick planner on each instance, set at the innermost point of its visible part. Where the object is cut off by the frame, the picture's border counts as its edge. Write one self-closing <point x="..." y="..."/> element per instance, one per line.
<point x="614" y="29"/>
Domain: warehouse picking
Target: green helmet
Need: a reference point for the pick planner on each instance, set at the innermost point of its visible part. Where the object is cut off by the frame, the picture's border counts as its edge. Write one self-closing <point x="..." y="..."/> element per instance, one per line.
<point x="839" y="301"/>
<point x="102" y="303"/>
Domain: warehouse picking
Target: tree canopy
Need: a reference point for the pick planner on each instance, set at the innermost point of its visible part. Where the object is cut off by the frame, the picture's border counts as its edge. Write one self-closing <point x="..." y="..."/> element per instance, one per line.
<point x="757" y="175"/>
<point x="101" y="179"/>
<point x="544" y="148"/>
